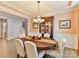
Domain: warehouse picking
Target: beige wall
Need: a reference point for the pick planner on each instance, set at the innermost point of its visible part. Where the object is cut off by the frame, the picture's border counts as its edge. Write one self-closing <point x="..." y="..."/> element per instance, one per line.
<point x="73" y="16"/>
<point x="57" y="18"/>
<point x="71" y="35"/>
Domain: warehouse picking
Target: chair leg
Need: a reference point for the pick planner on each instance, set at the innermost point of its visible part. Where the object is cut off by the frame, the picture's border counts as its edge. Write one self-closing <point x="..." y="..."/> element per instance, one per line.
<point x="25" y="56"/>
<point x="17" y="55"/>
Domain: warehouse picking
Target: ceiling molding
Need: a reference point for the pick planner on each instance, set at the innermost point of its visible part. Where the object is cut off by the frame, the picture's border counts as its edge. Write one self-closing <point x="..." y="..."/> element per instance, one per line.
<point x="64" y="10"/>
<point x="3" y="9"/>
<point x="13" y="8"/>
<point x="46" y="12"/>
<point x="75" y="6"/>
<point x="52" y="14"/>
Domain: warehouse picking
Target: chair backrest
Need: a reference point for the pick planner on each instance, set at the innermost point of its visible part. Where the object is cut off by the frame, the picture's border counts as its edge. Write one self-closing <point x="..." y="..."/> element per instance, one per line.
<point x="61" y="44"/>
<point x="39" y="34"/>
<point x="31" y="49"/>
<point x="20" y="47"/>
<point x="47" y="35"/>
<point x="34" y="34"/>
<point x="21" y="35"/>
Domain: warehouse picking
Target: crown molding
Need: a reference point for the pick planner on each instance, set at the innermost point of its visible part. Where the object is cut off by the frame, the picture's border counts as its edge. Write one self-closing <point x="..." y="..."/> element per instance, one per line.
<point x="59" y="12"/>
<point x="17" y="11"/>
<point x="71" y="8"/>
<point x="13" y="9"/>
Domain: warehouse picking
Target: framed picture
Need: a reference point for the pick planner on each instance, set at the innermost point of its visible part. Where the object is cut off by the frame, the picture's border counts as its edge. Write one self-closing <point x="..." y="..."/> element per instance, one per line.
<point x="65" y="24"/>
<point x="35" y="25"/>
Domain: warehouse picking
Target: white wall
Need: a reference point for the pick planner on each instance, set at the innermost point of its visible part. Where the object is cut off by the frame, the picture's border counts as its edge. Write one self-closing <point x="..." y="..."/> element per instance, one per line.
<point x="14" y="27"/>
<point x="1" y="28"/>
<point x="14" y="24"/>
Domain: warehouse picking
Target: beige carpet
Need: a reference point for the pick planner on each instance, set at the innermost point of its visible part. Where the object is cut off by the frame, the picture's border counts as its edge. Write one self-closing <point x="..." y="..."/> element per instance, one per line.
<point x="70" y="53"/>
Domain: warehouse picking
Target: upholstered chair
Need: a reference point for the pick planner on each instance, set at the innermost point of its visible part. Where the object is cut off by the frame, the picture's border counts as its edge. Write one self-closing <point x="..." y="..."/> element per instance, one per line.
<point x="47" y="35"/>
<point x="58" y="52"/>
<point x="31" y="50"/>
<point x="20" y="47"/>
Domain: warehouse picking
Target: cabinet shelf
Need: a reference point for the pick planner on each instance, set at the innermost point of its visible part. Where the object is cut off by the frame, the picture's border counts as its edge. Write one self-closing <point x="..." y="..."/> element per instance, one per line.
<point x="46" y="26"/>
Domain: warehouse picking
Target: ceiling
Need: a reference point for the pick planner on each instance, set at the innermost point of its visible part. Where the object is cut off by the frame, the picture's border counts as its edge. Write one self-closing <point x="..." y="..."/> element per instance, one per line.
<point x="46" y="7"/>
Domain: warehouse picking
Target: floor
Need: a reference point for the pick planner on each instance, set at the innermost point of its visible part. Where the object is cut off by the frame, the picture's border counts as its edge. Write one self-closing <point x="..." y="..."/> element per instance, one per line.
<point x="68" y="53"/>
<point x="7" y="49"/>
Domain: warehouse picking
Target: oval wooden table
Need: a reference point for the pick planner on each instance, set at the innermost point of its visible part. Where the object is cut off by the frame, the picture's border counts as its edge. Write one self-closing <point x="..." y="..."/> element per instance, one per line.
<point x="43" y="44"/>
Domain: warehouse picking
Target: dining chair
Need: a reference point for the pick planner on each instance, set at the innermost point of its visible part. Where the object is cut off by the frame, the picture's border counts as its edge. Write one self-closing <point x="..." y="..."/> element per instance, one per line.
<point x="47" y="35"/>
<point x="58" y="52"/>
<point x="20" y="47"/>
<point x="31" y="50"/>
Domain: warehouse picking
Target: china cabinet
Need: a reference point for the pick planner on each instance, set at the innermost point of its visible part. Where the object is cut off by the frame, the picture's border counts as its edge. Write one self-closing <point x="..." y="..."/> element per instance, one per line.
<point x="47" y="26"/>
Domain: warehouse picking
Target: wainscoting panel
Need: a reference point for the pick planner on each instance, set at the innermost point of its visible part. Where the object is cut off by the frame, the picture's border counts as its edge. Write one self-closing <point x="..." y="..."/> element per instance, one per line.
<point x="71" y="40"/>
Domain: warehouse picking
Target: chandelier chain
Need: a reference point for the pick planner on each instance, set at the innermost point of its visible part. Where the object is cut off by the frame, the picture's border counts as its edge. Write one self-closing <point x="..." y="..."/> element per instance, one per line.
<point x="38" y="7"/>
<point x="38" y="19"/>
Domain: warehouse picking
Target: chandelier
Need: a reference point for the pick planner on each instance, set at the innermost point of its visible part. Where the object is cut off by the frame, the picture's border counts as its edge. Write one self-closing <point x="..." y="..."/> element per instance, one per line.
<point x="38" y="19"/>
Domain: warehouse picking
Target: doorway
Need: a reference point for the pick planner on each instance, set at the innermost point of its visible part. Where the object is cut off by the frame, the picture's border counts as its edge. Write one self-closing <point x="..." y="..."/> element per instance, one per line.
<point x="3" y="28"/>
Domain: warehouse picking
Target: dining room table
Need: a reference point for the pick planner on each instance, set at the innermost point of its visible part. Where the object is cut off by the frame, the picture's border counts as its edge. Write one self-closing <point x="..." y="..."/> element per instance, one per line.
<point x="42" y="43"/>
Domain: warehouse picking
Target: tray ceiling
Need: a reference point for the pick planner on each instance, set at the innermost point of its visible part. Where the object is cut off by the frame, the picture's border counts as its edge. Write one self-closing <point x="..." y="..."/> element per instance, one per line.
<point x="46" y="7"/>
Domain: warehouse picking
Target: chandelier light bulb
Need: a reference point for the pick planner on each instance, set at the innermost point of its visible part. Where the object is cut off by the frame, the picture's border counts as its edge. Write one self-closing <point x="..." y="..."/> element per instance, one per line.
<point x="42" y="20"/>
<point x="34" y="20"/>
<point x="39" y="19"/>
